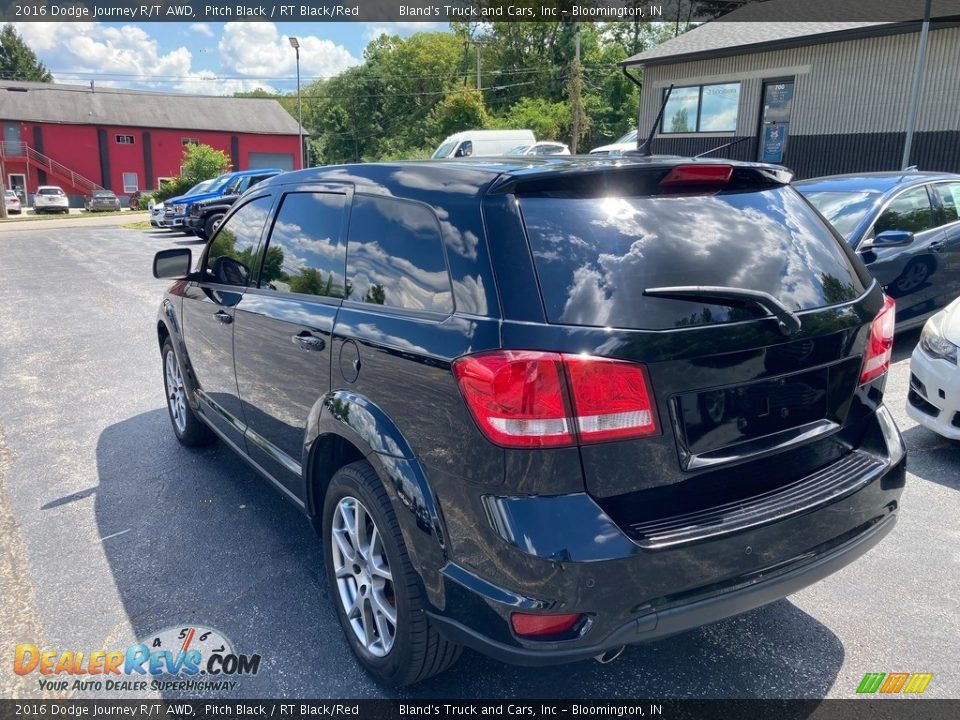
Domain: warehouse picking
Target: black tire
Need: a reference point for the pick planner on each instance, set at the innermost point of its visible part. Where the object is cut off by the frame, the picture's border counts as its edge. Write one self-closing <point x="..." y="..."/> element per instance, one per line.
<point x="211" y="225"/>
<point x="418" y="651"/>
<point x="191" y="431"/>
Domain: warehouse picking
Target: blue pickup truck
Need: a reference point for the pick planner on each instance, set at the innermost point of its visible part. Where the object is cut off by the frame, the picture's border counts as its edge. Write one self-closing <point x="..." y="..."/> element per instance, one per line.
<point x="177" y="209"/>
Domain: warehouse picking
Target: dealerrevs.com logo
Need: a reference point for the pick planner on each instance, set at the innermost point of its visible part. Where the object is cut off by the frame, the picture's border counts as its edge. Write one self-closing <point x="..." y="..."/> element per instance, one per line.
<point x="189" y="659"/>
<point x="894" y="683"/>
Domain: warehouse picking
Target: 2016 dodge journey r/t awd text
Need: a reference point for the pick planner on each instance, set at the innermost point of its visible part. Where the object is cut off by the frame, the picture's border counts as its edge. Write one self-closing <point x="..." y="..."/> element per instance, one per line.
<point x="542" y="408"/>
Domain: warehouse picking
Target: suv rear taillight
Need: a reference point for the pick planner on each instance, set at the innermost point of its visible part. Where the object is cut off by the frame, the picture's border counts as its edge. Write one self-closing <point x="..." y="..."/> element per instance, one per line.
<point x="880" y="344"/>
<point x="529" y="399"/>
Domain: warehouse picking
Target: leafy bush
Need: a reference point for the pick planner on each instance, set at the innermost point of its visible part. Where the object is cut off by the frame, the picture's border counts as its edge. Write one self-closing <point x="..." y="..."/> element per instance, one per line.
<point x="200" y="162"/>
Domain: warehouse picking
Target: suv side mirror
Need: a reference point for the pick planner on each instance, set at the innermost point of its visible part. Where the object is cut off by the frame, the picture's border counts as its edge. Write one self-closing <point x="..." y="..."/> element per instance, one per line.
<point x="174" y="264"/>
<point x="889" y="239"/>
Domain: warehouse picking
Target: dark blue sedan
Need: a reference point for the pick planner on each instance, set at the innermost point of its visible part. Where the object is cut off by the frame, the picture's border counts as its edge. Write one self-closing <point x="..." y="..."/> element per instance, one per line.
<point x="906" y="228"/>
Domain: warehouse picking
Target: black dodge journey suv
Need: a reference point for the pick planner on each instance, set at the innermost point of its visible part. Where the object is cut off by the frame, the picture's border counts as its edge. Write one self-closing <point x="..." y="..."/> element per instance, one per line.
<point x="542" y="408"/>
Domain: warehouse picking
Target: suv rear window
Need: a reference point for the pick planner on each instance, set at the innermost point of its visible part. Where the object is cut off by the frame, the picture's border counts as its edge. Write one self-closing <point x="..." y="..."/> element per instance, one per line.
<point x="50" y="191"/>
<point x="595" y="256"/>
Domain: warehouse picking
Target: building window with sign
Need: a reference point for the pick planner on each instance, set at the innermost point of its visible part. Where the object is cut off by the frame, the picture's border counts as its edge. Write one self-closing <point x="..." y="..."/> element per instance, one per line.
<point x="702" y="109"/>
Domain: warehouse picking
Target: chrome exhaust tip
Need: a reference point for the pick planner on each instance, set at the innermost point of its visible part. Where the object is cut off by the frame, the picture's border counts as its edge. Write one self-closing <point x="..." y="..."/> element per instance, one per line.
<point x="608" y="656"/>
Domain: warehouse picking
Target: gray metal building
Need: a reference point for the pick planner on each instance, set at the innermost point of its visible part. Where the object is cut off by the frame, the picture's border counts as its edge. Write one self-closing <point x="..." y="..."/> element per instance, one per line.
<point x="820" y="98"/>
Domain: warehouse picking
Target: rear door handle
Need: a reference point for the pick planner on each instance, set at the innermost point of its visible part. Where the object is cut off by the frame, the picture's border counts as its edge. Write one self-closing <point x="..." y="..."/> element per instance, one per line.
<point x="308" y="341"/>
<point x="937" y="246"/>
<point x="225" y="318"/>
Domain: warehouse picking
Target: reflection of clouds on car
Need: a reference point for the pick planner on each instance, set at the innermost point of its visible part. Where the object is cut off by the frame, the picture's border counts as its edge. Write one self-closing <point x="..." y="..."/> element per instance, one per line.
<point x="643" y="237"/>
<point x="395" y="255"/>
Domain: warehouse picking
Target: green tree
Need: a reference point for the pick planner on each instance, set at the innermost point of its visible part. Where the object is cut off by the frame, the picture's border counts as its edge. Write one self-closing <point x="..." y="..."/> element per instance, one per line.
<point x="461" y="109"/>
<point x="680" y="122"/>
<point x="376" y="294"/>
<point x="548" y="120"/>
<point x="17" y="60"/>
<point x="202" y="162"/>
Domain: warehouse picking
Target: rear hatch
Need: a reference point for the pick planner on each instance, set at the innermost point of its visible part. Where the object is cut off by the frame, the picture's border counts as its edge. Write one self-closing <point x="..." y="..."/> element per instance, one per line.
<point x="752" y="389"/>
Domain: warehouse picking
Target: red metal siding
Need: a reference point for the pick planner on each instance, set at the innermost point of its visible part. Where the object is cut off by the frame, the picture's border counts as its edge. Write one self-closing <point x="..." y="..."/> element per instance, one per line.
<point x="76" y="147"/>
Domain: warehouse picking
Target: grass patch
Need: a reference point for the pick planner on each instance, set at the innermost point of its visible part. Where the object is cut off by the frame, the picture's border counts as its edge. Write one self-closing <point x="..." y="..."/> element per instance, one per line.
<point x="72" y="216"/>
<point x="142" y="225"/>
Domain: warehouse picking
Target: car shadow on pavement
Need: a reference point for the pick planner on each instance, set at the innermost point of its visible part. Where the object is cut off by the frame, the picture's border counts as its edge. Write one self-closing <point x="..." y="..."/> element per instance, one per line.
<point x="933" y="457"/>
<point x="904" y="343"/>
<point x="196" y="538"/>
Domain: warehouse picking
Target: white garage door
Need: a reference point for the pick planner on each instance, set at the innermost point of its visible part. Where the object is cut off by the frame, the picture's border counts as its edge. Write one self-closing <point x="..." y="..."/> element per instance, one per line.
<point x="284" y="161"/>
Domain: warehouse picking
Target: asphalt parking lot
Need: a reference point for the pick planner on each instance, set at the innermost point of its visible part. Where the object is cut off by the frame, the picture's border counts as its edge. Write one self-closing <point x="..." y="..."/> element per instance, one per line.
<point x="110" y="531"/>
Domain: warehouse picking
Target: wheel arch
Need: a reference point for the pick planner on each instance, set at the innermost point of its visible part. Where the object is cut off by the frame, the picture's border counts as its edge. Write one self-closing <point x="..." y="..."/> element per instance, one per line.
<point x="345" y="427"/>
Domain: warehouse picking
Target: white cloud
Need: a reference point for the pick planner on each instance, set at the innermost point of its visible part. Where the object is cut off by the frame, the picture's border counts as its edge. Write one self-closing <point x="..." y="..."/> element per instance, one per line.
<point x="374" y="30"/>
<point x="202" y="29"/>
<point x="273" y="55"/>
<point x="128" y="56"/>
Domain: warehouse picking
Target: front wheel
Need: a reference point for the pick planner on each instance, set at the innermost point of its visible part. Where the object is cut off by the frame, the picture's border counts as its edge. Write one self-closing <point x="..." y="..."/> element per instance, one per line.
<point x="211" y="225"/>
<point x="376" y="591"/>
<point x="188" y="428"/>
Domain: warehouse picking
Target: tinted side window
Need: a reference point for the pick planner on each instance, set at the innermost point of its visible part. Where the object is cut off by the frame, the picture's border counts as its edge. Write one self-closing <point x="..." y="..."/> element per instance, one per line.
<point x="910" y="211"/>
<point x="305" y="253"/>
<point x="950" y="200"/>
<point x="395" y="256"/>
<point x="232" y="255"/>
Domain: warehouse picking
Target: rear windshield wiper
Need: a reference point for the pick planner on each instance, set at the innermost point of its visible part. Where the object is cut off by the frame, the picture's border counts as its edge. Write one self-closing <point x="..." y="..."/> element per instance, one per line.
<point x="787" y="320"/>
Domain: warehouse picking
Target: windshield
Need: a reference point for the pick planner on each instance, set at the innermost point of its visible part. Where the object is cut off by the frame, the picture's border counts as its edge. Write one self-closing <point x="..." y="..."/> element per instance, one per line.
<point x="844" y="210"/>
<point x="200" y="187"/>
<point x="444" y="150"/>
<point x="518" y="150"/>
<point x="629" y="137"/>
<point x="103" y="194"/>
<point x="595" y="256"/>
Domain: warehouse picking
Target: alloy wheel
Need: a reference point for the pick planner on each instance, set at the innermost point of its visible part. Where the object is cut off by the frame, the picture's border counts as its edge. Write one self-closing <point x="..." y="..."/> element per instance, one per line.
<point x="176" y="396"/>
<point x="364" y="579"/>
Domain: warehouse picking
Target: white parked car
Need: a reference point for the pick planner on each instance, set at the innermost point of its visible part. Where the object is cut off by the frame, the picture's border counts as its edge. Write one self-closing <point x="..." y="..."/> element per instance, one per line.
<point x="50" y="198"/>
<point x="542" y="147"/>
<point x="934" y="398"/>
<point x="12" y="202"/>
<point x="156" y="213"/>
<point x="482" y="143"/>
<point x="627" y="142"/>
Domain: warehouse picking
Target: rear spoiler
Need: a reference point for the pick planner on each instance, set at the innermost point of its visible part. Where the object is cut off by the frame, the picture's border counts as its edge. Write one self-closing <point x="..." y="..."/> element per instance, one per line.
<point x="643" y="177"/>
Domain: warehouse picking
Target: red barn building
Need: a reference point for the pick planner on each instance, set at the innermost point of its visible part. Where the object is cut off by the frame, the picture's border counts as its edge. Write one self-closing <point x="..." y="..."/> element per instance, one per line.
<point x="83" y="138"/>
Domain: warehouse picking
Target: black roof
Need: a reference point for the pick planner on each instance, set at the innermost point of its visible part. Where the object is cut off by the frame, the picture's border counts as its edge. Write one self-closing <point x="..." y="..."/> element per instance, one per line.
<point x="473" y="175"/>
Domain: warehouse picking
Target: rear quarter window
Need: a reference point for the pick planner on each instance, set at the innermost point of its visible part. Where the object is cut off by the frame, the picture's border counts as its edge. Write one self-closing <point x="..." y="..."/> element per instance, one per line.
<point x="395" y="256"/>
<point x="595" y="256"/>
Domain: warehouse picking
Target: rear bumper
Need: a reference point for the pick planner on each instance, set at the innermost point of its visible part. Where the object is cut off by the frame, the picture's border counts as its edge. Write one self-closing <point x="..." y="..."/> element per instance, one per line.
<point x="662" y="623"/>
<point x="563" y="554"/>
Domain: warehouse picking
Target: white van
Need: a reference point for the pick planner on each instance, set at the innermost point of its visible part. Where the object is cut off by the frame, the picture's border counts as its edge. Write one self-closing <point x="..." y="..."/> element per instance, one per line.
<point x="482" y="143"/>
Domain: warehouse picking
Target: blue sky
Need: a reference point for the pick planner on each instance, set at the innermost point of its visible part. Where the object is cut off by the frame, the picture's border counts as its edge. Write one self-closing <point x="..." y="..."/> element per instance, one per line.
<point x="209" y="58"/>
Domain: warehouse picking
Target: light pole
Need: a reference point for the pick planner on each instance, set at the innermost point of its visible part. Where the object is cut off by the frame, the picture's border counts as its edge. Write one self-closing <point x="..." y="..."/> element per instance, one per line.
<point x="295" y="44"/>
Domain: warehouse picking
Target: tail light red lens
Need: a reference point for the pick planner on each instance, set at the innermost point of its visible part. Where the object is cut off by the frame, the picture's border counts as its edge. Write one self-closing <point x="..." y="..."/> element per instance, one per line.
<point x="517" y="397"/>
<point x="610" y="399"/>
<point x="684" y="177"/>
<point x="529" y="625"/>
<point x="880" y="345"/>
<point x="535" y="399"/>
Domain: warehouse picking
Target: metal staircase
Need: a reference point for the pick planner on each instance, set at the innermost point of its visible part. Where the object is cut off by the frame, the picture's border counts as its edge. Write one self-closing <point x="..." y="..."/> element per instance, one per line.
<point x="20" y="151"/>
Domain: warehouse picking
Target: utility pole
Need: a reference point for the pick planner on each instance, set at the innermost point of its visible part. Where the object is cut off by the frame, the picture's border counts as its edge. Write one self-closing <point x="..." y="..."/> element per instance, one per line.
<point x="576" y="87"/>
<point x="295" y="44"/>
<point x="477" y="44"/>
<point x="3" y="190"/>
<point x="915" y="88"/>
